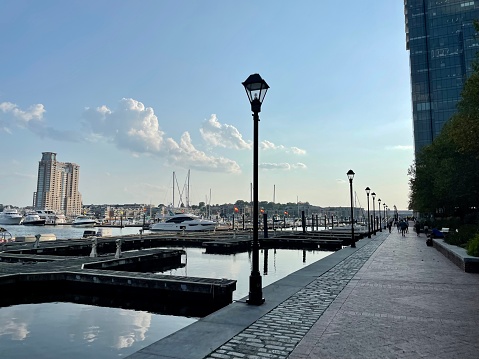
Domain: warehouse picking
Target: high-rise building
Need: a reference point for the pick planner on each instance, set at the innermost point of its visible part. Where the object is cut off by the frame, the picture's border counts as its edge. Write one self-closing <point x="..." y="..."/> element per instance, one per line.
<point x="57" y="186"/>
<point x="442" y="44"/>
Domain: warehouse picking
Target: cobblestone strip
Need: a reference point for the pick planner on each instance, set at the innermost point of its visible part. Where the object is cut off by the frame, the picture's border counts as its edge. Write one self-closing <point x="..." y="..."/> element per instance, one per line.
<point x="277" y="333"/>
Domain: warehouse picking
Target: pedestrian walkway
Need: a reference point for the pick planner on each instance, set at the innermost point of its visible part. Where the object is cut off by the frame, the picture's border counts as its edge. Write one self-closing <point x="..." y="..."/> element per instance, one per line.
<point x="391" y="297"/>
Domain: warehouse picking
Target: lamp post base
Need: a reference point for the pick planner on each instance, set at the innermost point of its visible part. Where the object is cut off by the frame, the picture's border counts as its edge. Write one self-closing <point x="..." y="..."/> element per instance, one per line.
<point x="255" y="290"/>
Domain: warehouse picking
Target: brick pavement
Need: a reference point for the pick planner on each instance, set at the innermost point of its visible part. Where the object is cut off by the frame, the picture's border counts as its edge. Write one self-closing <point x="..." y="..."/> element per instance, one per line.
<point x="393" y="298"/>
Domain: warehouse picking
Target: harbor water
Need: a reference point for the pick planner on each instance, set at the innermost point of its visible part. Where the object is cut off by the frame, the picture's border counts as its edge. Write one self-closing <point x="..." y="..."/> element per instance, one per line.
<point x="70" y="330"/>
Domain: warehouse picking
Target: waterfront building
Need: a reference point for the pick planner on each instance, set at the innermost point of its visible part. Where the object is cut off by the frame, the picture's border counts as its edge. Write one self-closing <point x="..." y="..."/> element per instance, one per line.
<point x="442" y="44"/>
<point x="57" y="186"/>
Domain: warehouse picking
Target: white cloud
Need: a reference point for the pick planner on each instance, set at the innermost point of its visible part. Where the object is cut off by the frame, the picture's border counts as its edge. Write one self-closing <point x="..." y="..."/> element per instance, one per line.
<point x="299" y="165"/>
<point x="268" y="145"/>
<point x="275" y="166"/>
<point x="31" y="119"/>
<point x="134" y="127"/>
<point x="223" y="135"/>
<point x="298" y="151"/>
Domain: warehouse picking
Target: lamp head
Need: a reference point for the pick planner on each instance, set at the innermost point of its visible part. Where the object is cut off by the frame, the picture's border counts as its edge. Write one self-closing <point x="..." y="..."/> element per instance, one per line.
<point x="350" y="175"/>
<point x="373" y="195"/>
<point x="368" y="191"/>
<point x="256" y="89"/>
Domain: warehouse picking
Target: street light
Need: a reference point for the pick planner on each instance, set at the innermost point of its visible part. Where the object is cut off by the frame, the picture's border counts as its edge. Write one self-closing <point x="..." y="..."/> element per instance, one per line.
<point x="374" y="213"/>
<point x="379" y="210"/>
<point x="256" y="89"/>
<point x="385" y="219"/>
<point x="350" y="177"/>
<point x="368" y="190"/>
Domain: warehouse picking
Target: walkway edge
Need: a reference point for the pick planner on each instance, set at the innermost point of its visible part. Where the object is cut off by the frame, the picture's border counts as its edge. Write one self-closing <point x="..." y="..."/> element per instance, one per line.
<point x="457" y="255"/>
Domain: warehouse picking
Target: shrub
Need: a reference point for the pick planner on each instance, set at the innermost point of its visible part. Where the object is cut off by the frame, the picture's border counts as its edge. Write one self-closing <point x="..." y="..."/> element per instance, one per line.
<point x="473" y="246"/>
<point x="464" y="233"/>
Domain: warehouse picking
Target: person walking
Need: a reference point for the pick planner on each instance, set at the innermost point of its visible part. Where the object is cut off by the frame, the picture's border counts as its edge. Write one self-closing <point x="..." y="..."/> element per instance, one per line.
<point x="417" y="227"/>
<point x="403" y="226"/>
<point x="390" y="226"/>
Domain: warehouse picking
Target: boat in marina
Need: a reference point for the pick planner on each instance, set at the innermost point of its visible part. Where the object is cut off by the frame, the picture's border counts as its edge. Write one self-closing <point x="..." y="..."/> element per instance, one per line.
<point x="33" y="219"/>
<point x="183" y="222"/>
<point x="84" y="221"/>
<point x="51" y="217"/>
<point x="10" y="216"/>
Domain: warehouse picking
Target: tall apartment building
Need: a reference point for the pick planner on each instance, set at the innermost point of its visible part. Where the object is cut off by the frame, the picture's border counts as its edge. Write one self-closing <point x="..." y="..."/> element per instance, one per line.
<point x="57" y="186"/>
<point x="442" y="44"/>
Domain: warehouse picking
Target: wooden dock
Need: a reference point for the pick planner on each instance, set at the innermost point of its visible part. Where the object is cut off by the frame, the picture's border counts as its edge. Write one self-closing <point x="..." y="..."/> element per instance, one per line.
<point x="128" y="281"/>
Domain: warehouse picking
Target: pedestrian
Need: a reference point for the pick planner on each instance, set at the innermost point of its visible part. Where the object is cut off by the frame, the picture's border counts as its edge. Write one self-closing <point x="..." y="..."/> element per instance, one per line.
<point x="417" y="227"/>
<point x="390" y="226"/>
<point x="426" y="229"/>
<point x="403" y="226"/>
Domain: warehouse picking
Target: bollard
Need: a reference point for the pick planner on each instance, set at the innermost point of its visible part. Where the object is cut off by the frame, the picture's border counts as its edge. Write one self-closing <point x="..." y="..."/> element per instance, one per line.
<point x="94" y="243"/>
<point x="118" y="248"/>
<point x="37" y="241"/>
<point x="141" y="232"/>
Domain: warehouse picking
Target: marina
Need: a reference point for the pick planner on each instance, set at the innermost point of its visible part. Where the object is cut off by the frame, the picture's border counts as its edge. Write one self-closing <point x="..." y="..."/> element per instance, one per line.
<point x="162" y="318"/>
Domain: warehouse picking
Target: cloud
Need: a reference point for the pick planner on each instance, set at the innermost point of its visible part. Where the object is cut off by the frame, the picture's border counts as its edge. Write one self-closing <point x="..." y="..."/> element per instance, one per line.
<point x="268" y="145"/>
<point x="31" y="119"/>
<point x="282" y="166"/>
<point x="135" y="128"/>
<point x="223" y="135"/>
<point x="400" y="148"/>
<point x="341" y="181"/>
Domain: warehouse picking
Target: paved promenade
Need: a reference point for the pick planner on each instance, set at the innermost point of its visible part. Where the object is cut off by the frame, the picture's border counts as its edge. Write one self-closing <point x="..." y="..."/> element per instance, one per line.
<point x="391" y="297"/>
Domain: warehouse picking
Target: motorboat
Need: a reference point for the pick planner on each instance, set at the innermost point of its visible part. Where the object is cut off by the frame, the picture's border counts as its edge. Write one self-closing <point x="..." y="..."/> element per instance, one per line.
<point x="51" y="217"/>
<point x="183" y="222"/>
<point x="33" y="219"/>
<point x="84" y="221"/>
<point x="10" y="216"/>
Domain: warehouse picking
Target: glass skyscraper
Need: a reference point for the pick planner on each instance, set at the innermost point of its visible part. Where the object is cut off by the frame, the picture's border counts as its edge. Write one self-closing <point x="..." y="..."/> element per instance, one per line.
<point x="442" y="44"/>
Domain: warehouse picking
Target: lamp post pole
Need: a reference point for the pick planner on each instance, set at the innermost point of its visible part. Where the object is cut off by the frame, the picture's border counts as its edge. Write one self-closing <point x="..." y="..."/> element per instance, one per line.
<point x="385" y="219"/>
<point x="379" y="211"/>
<point x="368" y="190"/>
<point x="350" y="177"/>
<point x="374" y="213"/>
<point x="256" y="89"/>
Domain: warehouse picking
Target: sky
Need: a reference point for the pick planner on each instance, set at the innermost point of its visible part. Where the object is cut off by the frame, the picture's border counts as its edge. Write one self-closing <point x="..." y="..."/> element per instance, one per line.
<point x="134" y="91"/>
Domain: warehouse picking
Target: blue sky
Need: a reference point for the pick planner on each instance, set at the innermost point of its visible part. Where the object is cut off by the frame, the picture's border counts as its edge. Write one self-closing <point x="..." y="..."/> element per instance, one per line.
<point x="133" y="91"/>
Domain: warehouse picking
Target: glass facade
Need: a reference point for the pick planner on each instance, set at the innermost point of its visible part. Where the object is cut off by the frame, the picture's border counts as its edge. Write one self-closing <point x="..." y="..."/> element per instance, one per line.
<point x="442" y="44"/>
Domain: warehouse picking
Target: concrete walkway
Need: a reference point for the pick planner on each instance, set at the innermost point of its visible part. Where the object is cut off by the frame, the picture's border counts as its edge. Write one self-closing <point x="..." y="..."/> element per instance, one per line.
<point x="391" y="297"/>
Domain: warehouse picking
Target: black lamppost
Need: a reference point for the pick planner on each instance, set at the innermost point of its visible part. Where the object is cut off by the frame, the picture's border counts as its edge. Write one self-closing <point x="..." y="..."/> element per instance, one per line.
<point x="385" y="219"/>
<point x="350" y="177"/>
<point x="379" y="210"/>
<point x="374" y="213"/>
<point x="256" y="89"/>
<point x="368" y="190"/>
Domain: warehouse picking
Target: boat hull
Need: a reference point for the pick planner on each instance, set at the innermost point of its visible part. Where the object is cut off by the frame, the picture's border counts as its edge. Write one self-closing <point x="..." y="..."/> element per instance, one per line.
<point x="162" y="227"/>
<point x="40" y="222"/>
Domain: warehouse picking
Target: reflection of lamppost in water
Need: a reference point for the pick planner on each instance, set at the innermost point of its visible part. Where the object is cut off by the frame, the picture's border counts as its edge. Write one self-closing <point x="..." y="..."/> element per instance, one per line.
<point x="256" y="89"/>
<point x="350" y="177"/>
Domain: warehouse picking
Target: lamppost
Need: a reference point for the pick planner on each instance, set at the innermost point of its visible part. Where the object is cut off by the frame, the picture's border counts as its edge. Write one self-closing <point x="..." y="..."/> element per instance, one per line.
<point x="368" y="190"/>
<point x="379" y="211"/>
<point x="256" y="89"/>
<point x="385" y="219"/>
<point x="350" y="177"/>
<point x="374" y="213"/>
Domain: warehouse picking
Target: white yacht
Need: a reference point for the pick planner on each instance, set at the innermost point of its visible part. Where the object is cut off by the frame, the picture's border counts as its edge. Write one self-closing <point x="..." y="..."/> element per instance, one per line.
<point x="84" y="221"/>
<point x="183" y="222"/>
<point x="10" y="216"/>
<point x="51" y="217"/>
<point x="33" y="219"/>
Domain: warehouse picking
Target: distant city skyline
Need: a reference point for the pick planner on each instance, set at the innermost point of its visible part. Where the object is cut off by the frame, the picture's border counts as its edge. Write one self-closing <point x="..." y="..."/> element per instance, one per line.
<point x="134" y="93"/>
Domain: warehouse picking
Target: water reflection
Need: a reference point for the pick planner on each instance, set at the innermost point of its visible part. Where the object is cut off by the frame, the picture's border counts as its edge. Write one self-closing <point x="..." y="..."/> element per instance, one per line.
<point x="75" y="331"/>
<point x="65" y="330"/>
